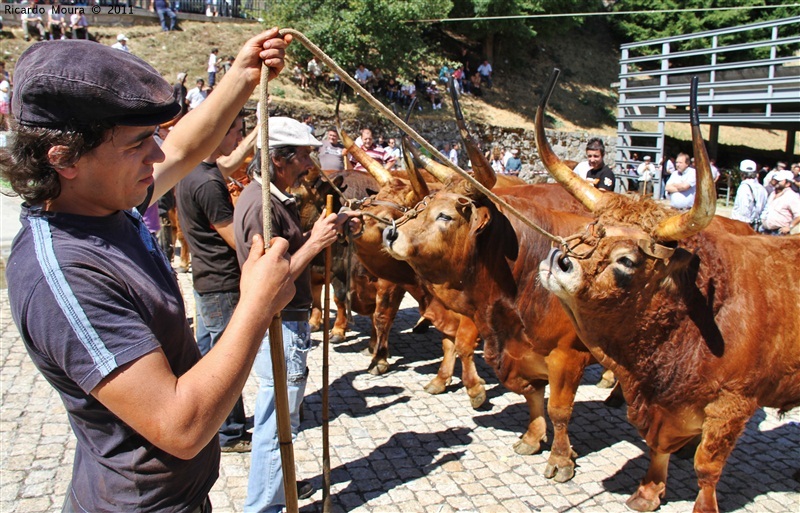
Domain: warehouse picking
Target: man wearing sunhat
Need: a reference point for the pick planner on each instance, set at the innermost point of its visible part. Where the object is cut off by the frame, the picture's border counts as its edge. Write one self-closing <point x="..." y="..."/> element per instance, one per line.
<point x="751" y="196"/>
<point x="96" y="303"/>
<point x="290" y="148"/>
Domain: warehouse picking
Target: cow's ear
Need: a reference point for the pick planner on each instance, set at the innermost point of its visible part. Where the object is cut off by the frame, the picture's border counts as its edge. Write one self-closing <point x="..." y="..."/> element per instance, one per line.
<point x="338" y="182"/>
<point x="680" y="271"/>
<point x="481" y="218"/>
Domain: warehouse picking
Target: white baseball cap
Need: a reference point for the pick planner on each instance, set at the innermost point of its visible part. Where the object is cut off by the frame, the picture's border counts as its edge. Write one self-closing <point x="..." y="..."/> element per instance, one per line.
<point x="285" y="131"/>
<point x="748" y="166"/>
<point x="646" y="157"/>
<point x="121" y="37"/>
<point x="783" y="175"/>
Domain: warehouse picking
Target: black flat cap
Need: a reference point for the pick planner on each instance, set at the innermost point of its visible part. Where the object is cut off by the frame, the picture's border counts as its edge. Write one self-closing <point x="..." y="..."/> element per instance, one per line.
<point x="73" y="83"/>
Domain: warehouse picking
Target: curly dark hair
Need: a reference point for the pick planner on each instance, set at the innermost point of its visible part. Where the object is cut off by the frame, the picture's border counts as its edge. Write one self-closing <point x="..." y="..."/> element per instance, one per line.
<point x="25" y="163"/>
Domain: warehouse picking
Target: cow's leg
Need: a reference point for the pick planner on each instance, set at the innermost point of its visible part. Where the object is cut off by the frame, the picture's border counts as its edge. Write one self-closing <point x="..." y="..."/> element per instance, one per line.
<point x="607" y="380"/>
<point x="390" y="295"/>
<point x="724" y="422"/>
<point x="531" y="441"/>
<point x="444" y="376"/>
<point x="654" y="485"/>
<point x="315" y="321"/>
<point x="466" y="342"/>
<point x="339" y="331"/>
<point x="565" y="369"/>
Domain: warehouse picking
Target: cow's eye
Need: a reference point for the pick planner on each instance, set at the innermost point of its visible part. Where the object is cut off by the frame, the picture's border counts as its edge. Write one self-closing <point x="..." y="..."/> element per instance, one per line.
<point x="443" y="217"/>
<point x="627" y="262"/>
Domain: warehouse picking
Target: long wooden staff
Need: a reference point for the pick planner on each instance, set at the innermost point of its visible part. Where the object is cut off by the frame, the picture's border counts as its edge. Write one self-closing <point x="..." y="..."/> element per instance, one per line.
<point x="326" y="344"/>
<point x="276" y="328"/>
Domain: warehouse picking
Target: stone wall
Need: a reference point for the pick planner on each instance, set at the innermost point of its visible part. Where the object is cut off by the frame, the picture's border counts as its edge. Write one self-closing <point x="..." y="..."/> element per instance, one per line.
<point x="567" y="145"/>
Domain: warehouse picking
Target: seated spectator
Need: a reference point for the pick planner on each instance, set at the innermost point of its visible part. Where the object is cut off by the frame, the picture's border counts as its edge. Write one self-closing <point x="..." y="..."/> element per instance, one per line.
<point x="392" y="90"/>
<point x="31" y="20"/>
<point x="57" y="25"/>
<point x="121" y="44"/>
<point x="485" y="71"/>
<point x="197" y="94"/>
<point x="393" y="151"/>
<point x="79" y="25"/>
<point x="299" y="77"/>
<point x="409" y="93"/>
<point x="444" y="73"/>
<point x="434" y="95"/>
<point x="379" y="80"/>
<point x="496" y="160"/>
<point x="364" y="77"/>
<point x="458" y="80"/>
<point x="475" y="85"/>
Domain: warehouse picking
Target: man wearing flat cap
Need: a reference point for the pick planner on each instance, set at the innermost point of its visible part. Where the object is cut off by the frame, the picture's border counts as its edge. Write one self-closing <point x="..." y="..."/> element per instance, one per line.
<point x="95" y="300"/>
<point x="290" y="147"/>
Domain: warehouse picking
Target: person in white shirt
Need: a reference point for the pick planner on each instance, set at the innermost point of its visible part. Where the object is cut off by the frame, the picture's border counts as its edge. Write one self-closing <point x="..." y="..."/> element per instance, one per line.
<point x="485" y="71"/>
<point x="453" y="156"/>
<point x="682" y="184"/>
<point x="646" y="172"/>
<point x="57" y="25"/>
<point x="31" y="20"/>
<point x="364" y="76"/>
<point x="212" y="67"/>
<point x="751" y="196"/>
<point x="122" y="43"/>
<point x="196" y="95"/>
<point x="782" y="213"/>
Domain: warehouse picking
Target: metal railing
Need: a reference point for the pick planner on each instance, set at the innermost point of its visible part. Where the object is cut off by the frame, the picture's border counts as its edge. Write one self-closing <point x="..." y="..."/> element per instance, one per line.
<point x="753" y="84"/>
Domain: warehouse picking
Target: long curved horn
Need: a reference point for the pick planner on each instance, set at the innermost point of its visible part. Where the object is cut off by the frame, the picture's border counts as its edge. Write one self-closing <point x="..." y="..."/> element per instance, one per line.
<point x="705" y="200"/>
<point x="374" y="167"/>
<point x="583" y="191"/>
<point x="439" y="171"/>
<point x="417" y="182"/>
<point x="480" y="164"/>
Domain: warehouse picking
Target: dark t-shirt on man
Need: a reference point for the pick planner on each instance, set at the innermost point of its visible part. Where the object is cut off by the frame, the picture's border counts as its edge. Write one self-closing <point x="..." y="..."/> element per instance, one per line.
<point x="203" y="201"/>
<point x="90" y="295"/>
<point x="285" y="223"/>
<point x="606" y="178"/>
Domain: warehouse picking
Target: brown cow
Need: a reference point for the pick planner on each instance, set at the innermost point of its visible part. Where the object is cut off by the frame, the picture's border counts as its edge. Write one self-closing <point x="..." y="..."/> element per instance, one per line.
<point x="701" y="327"/>
<point x="460" y="337"/>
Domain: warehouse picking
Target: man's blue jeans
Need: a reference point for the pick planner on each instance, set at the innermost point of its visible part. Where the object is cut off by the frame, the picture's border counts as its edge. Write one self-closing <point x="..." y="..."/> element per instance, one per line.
<point x="163" y="14"/>
<point x="214" y="311"/>
<point x="265" y="492"/>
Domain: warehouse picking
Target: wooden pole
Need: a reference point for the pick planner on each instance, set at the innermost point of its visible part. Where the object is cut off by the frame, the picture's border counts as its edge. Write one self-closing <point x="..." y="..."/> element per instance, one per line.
<point x="326" y="344"/>
<point x="276" y="327"/>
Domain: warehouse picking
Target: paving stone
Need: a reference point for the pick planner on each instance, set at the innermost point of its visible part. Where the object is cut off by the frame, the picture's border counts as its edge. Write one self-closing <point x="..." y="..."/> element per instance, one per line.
<point x="396" y="449"/>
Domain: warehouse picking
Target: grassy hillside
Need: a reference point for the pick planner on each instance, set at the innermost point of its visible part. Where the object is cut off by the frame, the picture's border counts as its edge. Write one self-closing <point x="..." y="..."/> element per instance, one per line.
<point x="584" y="99"/>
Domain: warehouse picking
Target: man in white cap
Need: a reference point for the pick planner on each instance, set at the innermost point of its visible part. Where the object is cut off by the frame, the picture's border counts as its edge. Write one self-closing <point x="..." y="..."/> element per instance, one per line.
<point x="782" y="213"/>
<point x="646" y="172"/>
<point x="751" y="197"/>
<point x="122" y="43"/>
<point x="290" y="148"/>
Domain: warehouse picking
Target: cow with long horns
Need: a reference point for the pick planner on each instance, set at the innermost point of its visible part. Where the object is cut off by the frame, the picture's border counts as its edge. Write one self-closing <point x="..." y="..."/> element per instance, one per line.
<point x="661" y="298"/>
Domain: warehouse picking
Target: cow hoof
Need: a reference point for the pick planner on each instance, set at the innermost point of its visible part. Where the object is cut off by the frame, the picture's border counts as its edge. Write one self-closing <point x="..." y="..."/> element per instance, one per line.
<point x="525" y="449"/>
<point x="559" y="474"/>
<point x="606" y="383"/>
<point x="477" y="400"/>
<point x="436" y="386"/>
<point x="639" y="503"/>
<point x="379" y="368"/>
<point x="337" y="339"/>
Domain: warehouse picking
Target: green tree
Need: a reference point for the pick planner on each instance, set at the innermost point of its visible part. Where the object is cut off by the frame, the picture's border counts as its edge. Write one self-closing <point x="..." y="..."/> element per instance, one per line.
<point x="646" y="24"/>
<point x="376" y="32"/>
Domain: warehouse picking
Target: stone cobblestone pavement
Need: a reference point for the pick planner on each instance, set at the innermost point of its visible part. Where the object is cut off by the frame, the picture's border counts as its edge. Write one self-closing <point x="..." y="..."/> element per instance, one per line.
<point x="394" y="448"/>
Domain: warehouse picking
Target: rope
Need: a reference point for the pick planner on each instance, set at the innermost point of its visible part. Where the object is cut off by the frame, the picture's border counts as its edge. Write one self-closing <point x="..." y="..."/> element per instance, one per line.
<point x="317" y="52"/>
